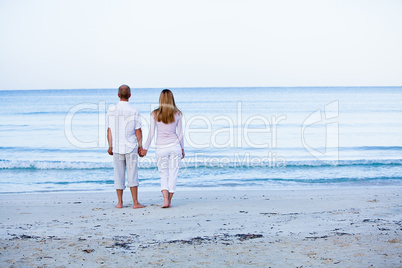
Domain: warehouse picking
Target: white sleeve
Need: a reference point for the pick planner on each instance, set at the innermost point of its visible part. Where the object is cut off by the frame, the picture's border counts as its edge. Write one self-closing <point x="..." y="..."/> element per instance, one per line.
<point x="151" y="133"/>
<point x="180" y="134"/>
<point x="138" y="123"/>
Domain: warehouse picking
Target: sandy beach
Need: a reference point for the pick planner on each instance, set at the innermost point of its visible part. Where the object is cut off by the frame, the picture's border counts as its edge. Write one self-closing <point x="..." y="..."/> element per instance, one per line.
<point x="344" y="227"/>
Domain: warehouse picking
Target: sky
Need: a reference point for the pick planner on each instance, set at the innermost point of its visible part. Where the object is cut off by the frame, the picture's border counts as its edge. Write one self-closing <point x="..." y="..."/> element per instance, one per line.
<point x="67" y="44"/>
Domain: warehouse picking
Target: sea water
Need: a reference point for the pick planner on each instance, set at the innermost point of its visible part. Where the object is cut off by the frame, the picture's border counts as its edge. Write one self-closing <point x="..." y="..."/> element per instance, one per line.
<point x="235" y="138"/>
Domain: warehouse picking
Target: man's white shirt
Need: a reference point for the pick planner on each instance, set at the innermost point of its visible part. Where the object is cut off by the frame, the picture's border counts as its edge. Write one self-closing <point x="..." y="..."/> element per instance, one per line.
<point x="123" y="119"/>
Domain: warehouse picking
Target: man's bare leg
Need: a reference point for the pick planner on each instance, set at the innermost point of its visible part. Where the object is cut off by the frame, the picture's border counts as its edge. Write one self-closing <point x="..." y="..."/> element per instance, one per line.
<point x="119" y="198"/>
<point x="165" y="194"/>
<point x="134" y="193"/>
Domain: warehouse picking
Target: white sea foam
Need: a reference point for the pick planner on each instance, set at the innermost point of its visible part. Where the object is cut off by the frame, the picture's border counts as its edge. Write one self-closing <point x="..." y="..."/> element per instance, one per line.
<point x="206" y="163"/>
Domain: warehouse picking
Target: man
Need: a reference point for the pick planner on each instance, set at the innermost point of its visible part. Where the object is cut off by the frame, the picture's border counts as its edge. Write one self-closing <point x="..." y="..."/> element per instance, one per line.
<point x="124" y="136"/>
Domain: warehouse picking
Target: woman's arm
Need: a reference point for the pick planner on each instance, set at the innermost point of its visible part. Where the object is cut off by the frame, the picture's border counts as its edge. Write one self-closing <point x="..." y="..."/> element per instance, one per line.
<point x="151" y="133"/>
<point x="180" y="135"/>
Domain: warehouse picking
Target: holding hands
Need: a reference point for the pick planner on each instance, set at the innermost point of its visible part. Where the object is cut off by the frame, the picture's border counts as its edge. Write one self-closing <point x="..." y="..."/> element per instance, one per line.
<point x="142" y="152"/>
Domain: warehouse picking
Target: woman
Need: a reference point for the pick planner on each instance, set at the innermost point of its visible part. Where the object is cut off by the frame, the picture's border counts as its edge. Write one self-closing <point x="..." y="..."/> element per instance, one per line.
<point x="169" y="143"/>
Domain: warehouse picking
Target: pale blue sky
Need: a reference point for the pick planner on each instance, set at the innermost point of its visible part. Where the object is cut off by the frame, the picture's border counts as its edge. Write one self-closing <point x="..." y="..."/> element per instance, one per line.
<point x="202" y="43"/>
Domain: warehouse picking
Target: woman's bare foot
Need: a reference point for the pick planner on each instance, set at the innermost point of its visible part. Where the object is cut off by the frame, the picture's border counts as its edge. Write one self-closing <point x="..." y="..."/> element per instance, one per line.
<point x="119" y="206"/>
<point x="138" y="206"/>
<point x="170" y="199"/>
<point x="165" y="206"/>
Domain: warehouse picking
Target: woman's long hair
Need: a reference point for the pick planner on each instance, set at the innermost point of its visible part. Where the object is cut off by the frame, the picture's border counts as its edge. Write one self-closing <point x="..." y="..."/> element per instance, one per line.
<point x="167" y="108"/>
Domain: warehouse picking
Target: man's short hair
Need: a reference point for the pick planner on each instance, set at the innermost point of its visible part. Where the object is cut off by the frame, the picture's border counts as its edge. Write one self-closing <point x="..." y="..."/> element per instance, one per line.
<point x="124" y="92"/>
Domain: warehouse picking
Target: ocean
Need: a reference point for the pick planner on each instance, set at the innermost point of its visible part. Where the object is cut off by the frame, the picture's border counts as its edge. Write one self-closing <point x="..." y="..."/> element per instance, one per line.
<point x="235" y="138"/>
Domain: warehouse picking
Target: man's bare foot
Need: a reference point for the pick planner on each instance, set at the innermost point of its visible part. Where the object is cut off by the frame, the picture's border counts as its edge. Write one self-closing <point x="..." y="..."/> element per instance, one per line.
<point x="119" y="206"/>
<point x="138" y="206"/>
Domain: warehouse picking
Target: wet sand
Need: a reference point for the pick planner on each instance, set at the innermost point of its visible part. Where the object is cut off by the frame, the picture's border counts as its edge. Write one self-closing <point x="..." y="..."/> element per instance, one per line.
<point x="344" y="227"/>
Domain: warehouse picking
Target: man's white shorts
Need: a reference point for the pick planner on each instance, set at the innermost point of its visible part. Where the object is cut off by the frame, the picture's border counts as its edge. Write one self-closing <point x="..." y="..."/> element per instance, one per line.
<point x="121" y="162"/>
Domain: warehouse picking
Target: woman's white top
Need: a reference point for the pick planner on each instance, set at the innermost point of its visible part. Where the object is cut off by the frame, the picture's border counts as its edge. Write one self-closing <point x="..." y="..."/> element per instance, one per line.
<point x="167" y="134"/>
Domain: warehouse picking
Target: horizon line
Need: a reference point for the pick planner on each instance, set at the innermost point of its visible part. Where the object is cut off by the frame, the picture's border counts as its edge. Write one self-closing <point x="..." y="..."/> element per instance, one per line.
<point x="37" y="89"/>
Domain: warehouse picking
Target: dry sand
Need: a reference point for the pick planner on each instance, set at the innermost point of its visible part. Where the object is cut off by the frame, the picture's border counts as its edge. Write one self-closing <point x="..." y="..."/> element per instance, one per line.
<point x="341" y="227"/>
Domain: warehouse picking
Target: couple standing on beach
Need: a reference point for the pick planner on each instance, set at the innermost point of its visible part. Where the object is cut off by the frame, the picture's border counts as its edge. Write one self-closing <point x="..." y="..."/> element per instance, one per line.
<point x="124" y="136"/>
